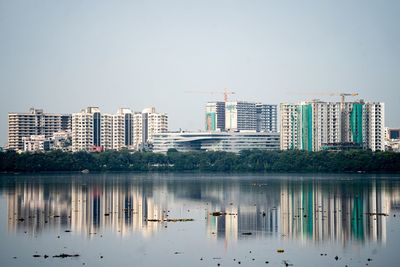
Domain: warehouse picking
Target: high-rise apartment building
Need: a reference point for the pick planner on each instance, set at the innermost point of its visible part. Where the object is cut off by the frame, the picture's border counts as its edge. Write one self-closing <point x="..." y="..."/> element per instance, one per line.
<point x="289" y="128"/>
<point x="249" y="116"/>
<point x="316" y="124"/>
<point x="91" y="130"/>
<point x="320" y="124"/>
<point x="123" y="129"/>
<point x="240" y="115"/>
<point x="146" y="124"/>
<point x="215" y="116"/>
<point x="373" y="132"/>
<point x="266" y="118"/>
<point x="34" y="122"/>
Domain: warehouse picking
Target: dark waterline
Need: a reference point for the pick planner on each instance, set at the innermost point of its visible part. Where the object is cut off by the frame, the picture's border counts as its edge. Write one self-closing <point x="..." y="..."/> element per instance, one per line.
<point x="121" y="219"/>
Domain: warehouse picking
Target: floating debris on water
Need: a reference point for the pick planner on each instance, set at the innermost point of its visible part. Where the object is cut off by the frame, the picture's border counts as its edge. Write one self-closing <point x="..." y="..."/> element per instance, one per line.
<point x="287" y="263"/>
<point x="217" y="213"/>
<point x="64" y="255"/>
<point x="170" y="220"/>
<point x="377" y="214"/>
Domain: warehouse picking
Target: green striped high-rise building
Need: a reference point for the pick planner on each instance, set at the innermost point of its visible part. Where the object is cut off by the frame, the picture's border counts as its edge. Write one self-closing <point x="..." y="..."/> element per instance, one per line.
<point x="316" y="125"/>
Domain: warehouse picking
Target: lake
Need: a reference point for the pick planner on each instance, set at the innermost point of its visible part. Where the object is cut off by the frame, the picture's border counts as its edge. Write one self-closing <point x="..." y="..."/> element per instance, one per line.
<point x="192" y="219"/>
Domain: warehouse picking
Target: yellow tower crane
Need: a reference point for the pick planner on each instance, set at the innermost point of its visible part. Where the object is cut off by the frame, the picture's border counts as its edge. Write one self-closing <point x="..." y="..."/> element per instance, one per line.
<point x="343" y="95"/>
<point x="226" y="93"/>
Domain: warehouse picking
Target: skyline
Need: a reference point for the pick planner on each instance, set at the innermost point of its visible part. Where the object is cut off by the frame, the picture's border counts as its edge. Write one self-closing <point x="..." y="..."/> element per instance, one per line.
<point x="64" y="56"/>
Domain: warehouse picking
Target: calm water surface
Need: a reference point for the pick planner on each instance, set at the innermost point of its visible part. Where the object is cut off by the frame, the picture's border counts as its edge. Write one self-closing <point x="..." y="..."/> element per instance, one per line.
<point x="105" y="219"/>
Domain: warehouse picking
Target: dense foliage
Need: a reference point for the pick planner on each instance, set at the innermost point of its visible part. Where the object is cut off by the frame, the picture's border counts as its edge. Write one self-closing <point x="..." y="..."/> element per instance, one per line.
<point x="260" y="161"/>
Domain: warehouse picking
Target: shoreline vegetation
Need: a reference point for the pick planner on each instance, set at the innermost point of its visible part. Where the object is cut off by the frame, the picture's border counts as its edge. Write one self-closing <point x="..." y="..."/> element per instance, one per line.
<point x="352" y="161"/>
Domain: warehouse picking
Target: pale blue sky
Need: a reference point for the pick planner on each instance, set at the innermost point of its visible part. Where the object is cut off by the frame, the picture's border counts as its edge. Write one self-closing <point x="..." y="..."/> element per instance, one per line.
<point x="65" y="55"/>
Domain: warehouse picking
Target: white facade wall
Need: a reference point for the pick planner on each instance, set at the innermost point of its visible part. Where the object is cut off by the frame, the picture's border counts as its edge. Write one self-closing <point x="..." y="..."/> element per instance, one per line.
<point x="147" y="124"/>
<point x="289" y="126"/>
<point x="123" y="128"/>
<point x="36" y="143"/>
<point x="137" y="130"/>
<point x="374" y="126"/>
<point x="82" y="129"/>
<point x="326" y="123"/>
<point x="106" y="138"/>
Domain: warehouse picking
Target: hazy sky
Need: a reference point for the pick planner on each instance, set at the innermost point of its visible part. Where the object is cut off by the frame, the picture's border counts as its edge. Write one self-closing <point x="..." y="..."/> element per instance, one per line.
<point x="65" y="55"/>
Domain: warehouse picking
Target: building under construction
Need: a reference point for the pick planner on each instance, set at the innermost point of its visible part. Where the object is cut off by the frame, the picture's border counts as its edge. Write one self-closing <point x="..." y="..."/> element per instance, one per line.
<point x="313" y="125"/>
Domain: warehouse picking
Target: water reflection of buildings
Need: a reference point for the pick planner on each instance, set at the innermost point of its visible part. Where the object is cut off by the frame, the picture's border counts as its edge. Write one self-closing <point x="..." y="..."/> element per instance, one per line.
<point x="85" y="208"/>
<point x="315" y="210"/>
<point x="251" y="208"/>
<point x="306" y="210"/>
<point x="310" y="210"/>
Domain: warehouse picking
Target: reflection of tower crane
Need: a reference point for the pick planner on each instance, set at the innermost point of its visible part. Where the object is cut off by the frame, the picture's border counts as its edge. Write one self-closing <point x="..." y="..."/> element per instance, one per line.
<point x="226" y="93"/>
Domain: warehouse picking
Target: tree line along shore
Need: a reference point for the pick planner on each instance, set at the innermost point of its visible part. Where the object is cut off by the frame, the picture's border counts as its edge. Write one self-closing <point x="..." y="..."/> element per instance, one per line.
<point x="246" y="161"/>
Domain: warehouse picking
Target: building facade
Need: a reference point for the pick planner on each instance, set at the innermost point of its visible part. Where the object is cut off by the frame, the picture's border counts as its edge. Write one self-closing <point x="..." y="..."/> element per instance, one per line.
<point x="123" y="129"/>
<point x="240" y="116"/>
<point x="266" y="118"/>
<point x="35" y="143"/>
<point x="34" y="122"/>
<point x="315" y="124"/>
<point x="235" y="116"/>
<point x="146" y="125"/>
<point x="91" y="130"/>
<point x="215" y="141"/>
<point x="215" y="116"/>
<point x="373" y="124"/>
<point x="289" y="126"/>
<point x="392" y="133"/>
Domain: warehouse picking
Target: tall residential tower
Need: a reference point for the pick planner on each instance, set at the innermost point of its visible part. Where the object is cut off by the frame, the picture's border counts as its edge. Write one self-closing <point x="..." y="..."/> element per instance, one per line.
<point x="91" y="130"/>
<point x="146" y="125"/>
<point x="34" y="122"/>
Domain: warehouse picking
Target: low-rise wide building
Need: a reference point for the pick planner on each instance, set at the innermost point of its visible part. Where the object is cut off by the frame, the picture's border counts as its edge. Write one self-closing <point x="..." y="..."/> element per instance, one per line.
<point x="215" y="141"/>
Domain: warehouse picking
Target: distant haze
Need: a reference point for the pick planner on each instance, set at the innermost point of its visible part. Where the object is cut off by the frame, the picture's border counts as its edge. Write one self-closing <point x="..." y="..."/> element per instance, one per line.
<point x="65" y="55"/>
